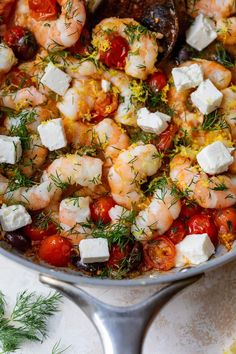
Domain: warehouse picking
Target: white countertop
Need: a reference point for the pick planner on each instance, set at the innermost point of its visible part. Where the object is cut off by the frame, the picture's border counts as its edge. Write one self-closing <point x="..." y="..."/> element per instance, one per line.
<point x="200" y="320"/>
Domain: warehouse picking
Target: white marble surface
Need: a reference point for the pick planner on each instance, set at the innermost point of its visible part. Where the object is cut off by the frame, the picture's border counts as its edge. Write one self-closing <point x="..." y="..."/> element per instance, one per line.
<point x="200" y="320"/>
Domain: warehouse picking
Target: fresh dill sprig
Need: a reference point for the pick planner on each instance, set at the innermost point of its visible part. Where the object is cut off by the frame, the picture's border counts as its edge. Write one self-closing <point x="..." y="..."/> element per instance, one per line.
<point x="214" y="121"/>
<point x="142" y="136"/>
<point x="59" y="183"/>
<point x="155" y="101"/>
<point x="20" y="129"/>
<point x="223" y="57"/>
<point x="28" y="320"/>
<point x="135" y="32"/>
<point x="57" y="349"/>
<point x="19" y="180"/>
<point x="2" y="304"/>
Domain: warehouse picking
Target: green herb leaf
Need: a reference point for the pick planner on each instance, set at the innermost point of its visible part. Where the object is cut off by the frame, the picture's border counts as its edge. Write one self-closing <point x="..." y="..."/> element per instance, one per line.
<point x="214" y="121"/>
<point x="57" y="349"/>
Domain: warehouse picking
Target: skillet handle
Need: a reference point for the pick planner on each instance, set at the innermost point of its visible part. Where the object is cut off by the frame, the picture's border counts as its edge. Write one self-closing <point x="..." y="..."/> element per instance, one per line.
<point x="121" y="329"/>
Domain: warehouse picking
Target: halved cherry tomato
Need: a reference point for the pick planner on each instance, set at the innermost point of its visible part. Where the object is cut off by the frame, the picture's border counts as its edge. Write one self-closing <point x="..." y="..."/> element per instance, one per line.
<point x="37" y="234"/>
<point x="160" y="254"/>
<point x="18" y="78"/>
<point x="203" y="223"/>
<point x="106" y="104"/>
<point x="55" y="250"/>
<point x="100" y="208"/>
<point x="116" y="55"/>
<point x="225" y="220"/>
<point x="82" y="46"/>
<point x="176" y="232"/>
<point x="166" y="138"/>
<point x="188" y="210"/>
<point x="117" y="255"/>
<point x="42" y="10"/>
<point x="157" y="81"/>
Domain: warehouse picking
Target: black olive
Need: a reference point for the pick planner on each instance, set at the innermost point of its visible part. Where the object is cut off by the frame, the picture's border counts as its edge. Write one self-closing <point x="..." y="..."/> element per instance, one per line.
<point x="18" y="240"/>
<point x="91" y="268"/>
<point x="26" y="47"/>
<point x="183" y="54"/>
<point x="135" y="257"/>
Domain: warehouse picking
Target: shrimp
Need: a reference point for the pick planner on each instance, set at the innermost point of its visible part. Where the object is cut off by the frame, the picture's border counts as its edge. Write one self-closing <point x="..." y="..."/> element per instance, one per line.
<point x="226" y="30"/>
<point x="8" y="59"/>
<point x="209" y="192"/>
<point x="81" y="70"/>
<point x="74" y="211"/>
<point x="212" y="8"/>
<point x="22" y="98"/>
<point x="228" y="108"/>
<point x="143" y="47"/>
<point x="163" y="209"/>
<point x="74" y="169"/>
<point x="56" y="34"/>
<point x="129" y="171"/>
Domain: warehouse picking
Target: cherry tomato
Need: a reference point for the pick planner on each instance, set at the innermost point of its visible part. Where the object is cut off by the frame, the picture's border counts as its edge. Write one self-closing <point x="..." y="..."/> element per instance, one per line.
<point x="115" y="56"/>
<point x="55" y="250"/>
<point x="157" y="81"/>
<point x="82" y="46"/>
<point x="37" y="234"/>
<point x="6" y="9"/>
<point x="225" y="220"/>
<point x="22" y="42"/>
<point x="106" y="104"/>
<point x="100" y="208"/>
<point x="42" y="10"/>
<point x="188" y="210"/>
<point x="160" y="254"/>
<point x="166" y="138"/>
<point x="18" y="79"/>
<point x="176" y="232"/>
<point x="203" y="223"/>
<point x="117" y="255"/>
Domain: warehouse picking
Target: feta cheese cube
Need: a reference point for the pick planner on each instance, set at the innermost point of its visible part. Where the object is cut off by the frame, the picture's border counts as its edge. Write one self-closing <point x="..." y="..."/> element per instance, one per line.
<point x="55" y="79"/>
<point x="7" y="59"/>
<point x="118" y="212"/>
<point x="73" y="211"/>
<point x="187" y="77"/>
<point x="152" y="122"/>
<point x="193" y="250"/>
<point x="52" y="134"/>
<point x="215" y="158"/>
<point x="93" y="250"/>
<point x="14" y="217"/>
<point x="207" y="97"/>
<point x="10" y="149"/>
<point x="106" y="85"/>
<point x="201" y="33"/>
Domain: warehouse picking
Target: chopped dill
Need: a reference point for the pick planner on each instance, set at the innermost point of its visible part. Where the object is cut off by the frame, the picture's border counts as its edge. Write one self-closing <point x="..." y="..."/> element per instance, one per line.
<point x="19" y="180"/>
<point x="220" y="187"/>
<point x="19" y="127"/>
<point x="59" y="183"/>
<point x="223" y="57"/>
<point x="142" y="136"/>
<point x="135" y="32"/>
<point x="214" y="121"/>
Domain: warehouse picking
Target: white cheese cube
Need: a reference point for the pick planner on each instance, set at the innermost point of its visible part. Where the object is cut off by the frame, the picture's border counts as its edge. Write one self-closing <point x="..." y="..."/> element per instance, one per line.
<point x="152" y="122"/>
<point x="187" y="77"/>
<point x="10" y="149"/>
<point x="73" y="211"/>
<point x="207" y="97"/>
<point x="215" y="158"/>
<point x="14" y="217"/>
<point x="7" y="59"/>
<point x="106" y="85"/>
<point x="118" y="212"/>
<point x="52" y="134"/>
<point x="55" y="79"/>
<point x="201" y="33"/>
<point x="193" y="250"/>
<point x="93" y="250"/>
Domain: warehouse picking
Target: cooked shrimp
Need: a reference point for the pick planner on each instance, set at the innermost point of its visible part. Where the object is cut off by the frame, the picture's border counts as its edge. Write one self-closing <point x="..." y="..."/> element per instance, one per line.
<point x="209" y="192"/>
<point x="56" y="34"/>
<point x="130" y="169"/>
<point x="163" y="209"/>
<point x="226" y="30"/>
<point x="8" y="59"/>
<point x="212" y="8"/>
<point x="143" y="50"/>
<point x="82" y="70"/>
<point x="74" y="211"/>
<point x="74" y="169"/>
<point x="23" y="98"/>
<point x="228" y="108"/>
<point x="112" y="139"/>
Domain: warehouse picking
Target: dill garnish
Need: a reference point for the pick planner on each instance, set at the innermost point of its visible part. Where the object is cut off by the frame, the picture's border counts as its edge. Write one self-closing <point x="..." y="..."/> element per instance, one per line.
<point x="223" y="57"/>
<point x="214" y="121"/>
<point x="19" y="128"/>
<point x="19" y="180"/>
<point x="135" y="32"/>
<point x="59" y="183"/>
<point x="28" y="320"/>
<point x="57" y="349"/>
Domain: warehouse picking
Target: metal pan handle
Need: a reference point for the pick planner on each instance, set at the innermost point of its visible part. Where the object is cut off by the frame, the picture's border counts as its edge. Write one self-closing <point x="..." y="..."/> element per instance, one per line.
<point x="122" y="329"/>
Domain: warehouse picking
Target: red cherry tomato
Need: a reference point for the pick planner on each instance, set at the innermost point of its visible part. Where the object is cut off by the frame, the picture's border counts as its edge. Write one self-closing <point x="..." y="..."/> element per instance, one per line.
<point x="42" y="10"/>
<point x="82" y="46"/>
<point x="117" y="255"/>
<point x="188" y="210"/>
<point x="106" y="104"/>
<point x="203" y="223"/>
<point x="37" y="234"/>
<point x="160" y="254"/>
<point x="18" y="78"/>
<point x="166" y="138"/>
<point x="176" y="232"/>
<point x="100" y="208"/>
<point x="157" y="81"/>
<point x="116" y="55"/>
<point x="225" y="220"/>
<point x="6" y="8"/>
<point x="55" y="250"/>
